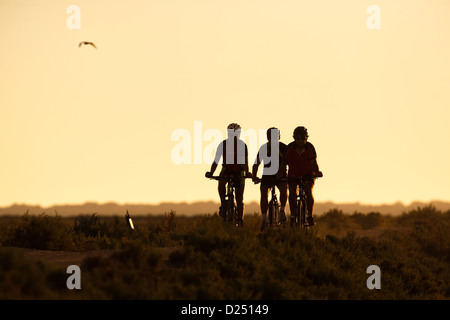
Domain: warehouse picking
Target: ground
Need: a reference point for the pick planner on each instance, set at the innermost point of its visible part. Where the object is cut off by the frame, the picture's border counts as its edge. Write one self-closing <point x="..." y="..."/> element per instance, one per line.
<point x="67" y="258"/>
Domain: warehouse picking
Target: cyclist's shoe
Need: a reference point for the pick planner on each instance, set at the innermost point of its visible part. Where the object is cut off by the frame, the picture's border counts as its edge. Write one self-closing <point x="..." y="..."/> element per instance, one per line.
<point x="282" y="217"/>
<point x="310" y="222"/>
<point x="263" y="224"/>
<point x="222" y="213"/>
<point x="239" y="223"/>
<point x="292" y="221"/>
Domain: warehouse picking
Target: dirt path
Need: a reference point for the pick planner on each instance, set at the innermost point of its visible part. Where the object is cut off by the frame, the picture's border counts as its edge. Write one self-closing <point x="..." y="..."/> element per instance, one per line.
<point x="63" y="258"/>
<point x="67" y="258"/>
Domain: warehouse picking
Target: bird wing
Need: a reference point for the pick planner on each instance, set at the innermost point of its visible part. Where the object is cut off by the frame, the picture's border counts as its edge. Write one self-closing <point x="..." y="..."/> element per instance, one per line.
<point x="86" y="43"/>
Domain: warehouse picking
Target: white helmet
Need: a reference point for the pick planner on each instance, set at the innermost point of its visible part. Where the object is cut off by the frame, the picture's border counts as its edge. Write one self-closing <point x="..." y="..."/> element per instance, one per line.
<point x="234" y="126"/>
<point x="234" y="130"/>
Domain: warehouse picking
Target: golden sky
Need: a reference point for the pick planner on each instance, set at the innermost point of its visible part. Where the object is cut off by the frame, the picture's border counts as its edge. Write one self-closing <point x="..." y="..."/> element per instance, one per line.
<point x="85" y="124"/>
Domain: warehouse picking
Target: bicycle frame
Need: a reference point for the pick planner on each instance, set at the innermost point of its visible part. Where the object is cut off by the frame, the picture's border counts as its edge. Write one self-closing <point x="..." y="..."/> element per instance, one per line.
<point x="274" y="208"/>
<point x="301" y="208"/>
<point x="231" y="207"/>
<point x="301" y="211"/>
<point x="229" y="213"/>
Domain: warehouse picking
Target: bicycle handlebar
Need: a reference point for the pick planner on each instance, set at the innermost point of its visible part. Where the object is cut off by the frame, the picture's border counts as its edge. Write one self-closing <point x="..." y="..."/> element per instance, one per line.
<point x="298" y="180"/>
<point x="279" y="179"/>
<point x="307" y="177"/>
<point x="229" y="178"/>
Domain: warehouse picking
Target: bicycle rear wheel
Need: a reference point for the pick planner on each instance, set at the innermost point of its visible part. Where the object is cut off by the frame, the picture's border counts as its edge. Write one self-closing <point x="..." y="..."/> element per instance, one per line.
<point x="302" y="214"/>
<point x="298" y="213"/>
<point x="271" y="212"/>
<point x="275" y="213"/>
<point x="231" y="212"/>
<point x="223" y="211"/>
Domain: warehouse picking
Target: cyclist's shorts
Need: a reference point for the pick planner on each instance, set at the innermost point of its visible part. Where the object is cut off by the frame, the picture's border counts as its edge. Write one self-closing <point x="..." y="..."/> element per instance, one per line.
<point x="270" y="181"/>
<point x="239" y="181"/>
<point x="291" y="180"/>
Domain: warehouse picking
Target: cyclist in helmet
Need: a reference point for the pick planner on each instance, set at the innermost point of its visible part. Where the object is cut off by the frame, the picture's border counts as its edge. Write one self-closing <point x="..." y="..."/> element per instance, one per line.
<point x="234" y="154"/>
<point x="274" y="169"/>
<point x="301" y="159"/>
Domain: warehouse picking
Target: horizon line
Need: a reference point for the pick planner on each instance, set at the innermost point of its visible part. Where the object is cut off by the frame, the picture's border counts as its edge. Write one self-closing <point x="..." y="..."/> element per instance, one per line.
<point x="91" y="202"/>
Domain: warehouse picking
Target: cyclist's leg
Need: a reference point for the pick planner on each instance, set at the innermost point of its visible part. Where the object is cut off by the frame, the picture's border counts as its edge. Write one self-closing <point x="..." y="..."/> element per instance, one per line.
<point x="264" y="198"/>
<point x="292" y="199"/>
<point x="239" y="189"/>
<point x="222" y="190"/>
<point x="222" y="193"/>
<point x="283" y="188"/>
<point x="240" y="204"/>
<point x="302" y="212"/>
<point x="309" y="201"/>
<point x="264" y="203"/>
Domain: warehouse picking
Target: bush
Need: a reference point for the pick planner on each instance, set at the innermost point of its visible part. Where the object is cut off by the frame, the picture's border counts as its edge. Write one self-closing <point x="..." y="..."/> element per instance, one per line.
<point x="90" y="226"/>
<point x="40" y="232"/>
<point x="367" y="221"/>
<point x="335" y="220"/>
<point x="215" y="260"/>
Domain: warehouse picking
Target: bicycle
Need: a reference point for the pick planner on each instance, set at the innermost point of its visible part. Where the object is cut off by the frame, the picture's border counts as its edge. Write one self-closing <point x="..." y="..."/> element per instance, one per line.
<point x="229" y="213"/>
<point x="301" y="208"/>
<point x="274" y="205"/>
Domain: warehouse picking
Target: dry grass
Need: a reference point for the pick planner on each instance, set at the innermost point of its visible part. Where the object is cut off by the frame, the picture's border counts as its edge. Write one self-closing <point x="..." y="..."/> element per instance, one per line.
<point x="171" y="257"/>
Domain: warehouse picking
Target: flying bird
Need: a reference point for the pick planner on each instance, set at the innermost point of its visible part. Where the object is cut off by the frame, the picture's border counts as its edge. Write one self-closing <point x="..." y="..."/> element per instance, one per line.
<point x="87" y="43"/>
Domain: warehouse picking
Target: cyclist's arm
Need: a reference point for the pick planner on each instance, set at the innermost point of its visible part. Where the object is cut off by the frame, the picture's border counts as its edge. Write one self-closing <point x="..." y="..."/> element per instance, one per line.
<point x="314" y="164"/>
<point x="213" y="168"/>
<point x="255" y="170"/>
<point x="219" y="153"/>
<point x="256" y="165"/>
<point x="283" y="165"/>
<point x="289" y="156"/>
<point x="283" y="152"/>
<point x="246" y="169"/>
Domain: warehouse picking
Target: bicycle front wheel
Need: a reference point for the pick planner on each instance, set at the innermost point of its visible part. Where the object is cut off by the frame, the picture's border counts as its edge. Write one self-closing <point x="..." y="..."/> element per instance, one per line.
<point x="298" y="213"/>
<point x="231" y="212"/>
<point x="276" y="213"/>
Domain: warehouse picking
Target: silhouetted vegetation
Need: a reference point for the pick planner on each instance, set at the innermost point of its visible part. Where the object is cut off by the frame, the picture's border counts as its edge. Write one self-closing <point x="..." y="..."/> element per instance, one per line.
<point x="212" y="260"/>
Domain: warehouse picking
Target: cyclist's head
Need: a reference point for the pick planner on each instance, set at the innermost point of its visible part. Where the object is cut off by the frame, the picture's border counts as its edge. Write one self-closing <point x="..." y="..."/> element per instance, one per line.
<point x="300" y="134"/>
<point x="275" y="132"/>
<point x="234" y="130"/>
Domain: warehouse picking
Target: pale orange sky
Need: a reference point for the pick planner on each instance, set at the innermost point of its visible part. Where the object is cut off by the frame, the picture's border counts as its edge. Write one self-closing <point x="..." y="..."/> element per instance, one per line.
<point x="79" y="124"/>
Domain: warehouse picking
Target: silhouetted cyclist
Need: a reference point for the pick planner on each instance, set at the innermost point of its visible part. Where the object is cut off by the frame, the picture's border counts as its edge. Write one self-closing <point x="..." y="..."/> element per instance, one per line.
<point x="234" y="154"/>
<point x="273" y="171"/>
<point x="301" y="159"/>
